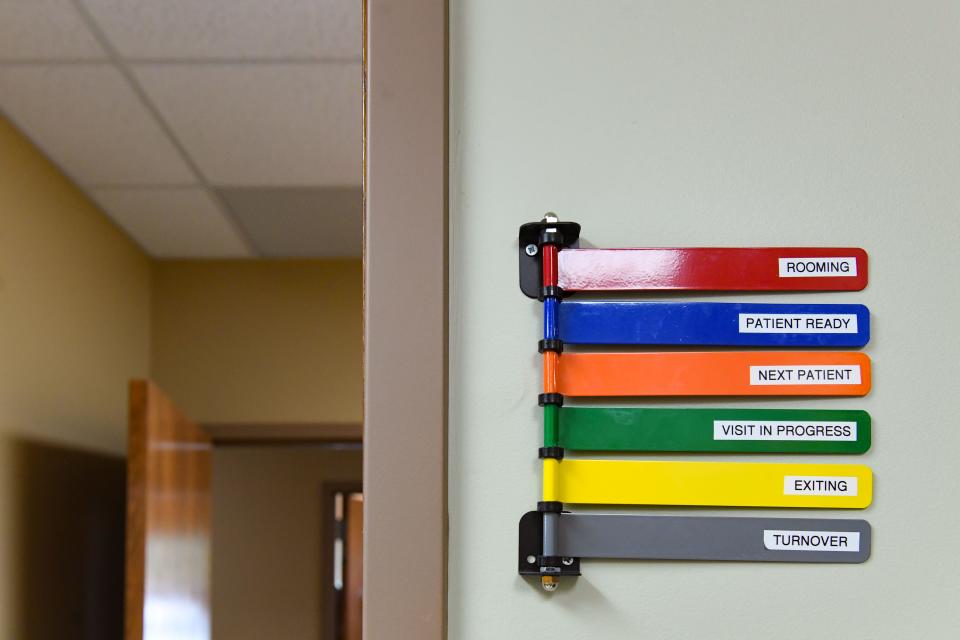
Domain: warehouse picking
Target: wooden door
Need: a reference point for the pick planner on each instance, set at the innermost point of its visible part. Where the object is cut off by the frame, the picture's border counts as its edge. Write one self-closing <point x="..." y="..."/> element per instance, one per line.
<point x="168" y="521"/>
<point x="353" y="569"/>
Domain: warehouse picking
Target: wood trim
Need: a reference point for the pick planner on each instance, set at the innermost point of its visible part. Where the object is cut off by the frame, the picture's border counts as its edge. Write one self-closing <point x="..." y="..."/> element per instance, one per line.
<point x="257" y="432"/>
<point x="353" y="567"/>
<point x="136" y="533"/>
<point x="328" y="490"/>
<point x="405" y="319"/>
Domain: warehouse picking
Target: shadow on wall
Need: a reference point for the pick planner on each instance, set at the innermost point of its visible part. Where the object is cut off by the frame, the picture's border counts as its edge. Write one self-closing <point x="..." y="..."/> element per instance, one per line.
<point x="70" y="511"/>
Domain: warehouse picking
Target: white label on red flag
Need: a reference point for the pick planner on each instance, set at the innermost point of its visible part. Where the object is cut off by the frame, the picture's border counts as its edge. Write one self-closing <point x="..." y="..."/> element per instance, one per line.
<point x="818" y="267"/>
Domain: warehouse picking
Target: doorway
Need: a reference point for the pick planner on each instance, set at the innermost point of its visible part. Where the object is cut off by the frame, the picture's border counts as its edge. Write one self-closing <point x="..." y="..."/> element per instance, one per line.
<point x="343" y="513"/>
<point x="284" y="544"/>
<point x="241" y="531"/>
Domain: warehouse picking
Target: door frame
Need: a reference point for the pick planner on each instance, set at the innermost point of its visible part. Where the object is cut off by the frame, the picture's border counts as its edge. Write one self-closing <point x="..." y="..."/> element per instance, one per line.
<point x="405" y="319"/>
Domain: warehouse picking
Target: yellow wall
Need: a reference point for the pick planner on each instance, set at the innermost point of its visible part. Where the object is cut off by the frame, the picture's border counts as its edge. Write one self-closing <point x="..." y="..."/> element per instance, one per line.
<point x="74" y="327"/>
<point x="259" y="341"/>
<point x="82" y="311"/>
<point x="264" y="341"/>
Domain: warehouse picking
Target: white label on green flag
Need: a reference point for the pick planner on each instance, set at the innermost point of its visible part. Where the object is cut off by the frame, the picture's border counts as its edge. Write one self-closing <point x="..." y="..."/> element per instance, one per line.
<point x="785" y="431"/>
<point x="780" y="540"/>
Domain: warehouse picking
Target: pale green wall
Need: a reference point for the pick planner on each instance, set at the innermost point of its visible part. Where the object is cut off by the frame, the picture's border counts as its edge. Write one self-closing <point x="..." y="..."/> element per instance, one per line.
<point x="709" y="123"/>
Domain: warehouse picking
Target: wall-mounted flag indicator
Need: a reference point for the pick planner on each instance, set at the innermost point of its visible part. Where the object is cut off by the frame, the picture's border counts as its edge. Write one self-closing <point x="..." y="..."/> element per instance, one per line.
<point x="825" y="431"/>
<point x="646" y="537"/>
<point x="716" y="484"/>
<point x="713" y="269"/>
<point x="593" y="322"/>
<point x="728" y="373"/>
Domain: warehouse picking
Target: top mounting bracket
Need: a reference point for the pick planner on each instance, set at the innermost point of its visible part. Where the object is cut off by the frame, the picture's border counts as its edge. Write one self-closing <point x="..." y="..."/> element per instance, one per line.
<point x="531" y="276"/>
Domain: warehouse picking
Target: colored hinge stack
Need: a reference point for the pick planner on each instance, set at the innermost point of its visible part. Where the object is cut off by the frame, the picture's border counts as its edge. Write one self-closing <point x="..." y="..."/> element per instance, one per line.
<point x="553" y="540"/>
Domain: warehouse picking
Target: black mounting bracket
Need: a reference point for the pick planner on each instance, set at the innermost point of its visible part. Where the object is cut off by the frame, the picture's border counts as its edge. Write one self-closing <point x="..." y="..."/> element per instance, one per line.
<point x="531" y="561"/>
<point x="531" y="278"/>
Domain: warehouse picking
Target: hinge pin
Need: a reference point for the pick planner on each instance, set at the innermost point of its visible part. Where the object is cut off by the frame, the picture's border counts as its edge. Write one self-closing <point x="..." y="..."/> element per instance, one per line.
<point x="549" y="583"/>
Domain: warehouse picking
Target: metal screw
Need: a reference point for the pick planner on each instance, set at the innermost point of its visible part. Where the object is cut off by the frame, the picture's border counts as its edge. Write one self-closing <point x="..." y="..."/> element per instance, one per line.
<point x="567" y="561"/>
<point x="550" y="217"/>
<point x="531" y="559"/>
<point x="531" y="250"/>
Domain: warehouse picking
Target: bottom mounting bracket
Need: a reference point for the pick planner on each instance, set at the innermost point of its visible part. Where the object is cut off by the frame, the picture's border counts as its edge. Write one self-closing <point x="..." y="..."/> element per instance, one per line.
<point x="531" y="561"/>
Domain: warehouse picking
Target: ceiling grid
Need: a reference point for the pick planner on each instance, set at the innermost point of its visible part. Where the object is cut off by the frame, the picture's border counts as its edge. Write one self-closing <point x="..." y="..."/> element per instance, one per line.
<point x="205" y="129"/>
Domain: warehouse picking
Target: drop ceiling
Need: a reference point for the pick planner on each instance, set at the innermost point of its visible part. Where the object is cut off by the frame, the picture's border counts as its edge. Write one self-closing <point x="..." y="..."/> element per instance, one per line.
<point x="203" y="128"/>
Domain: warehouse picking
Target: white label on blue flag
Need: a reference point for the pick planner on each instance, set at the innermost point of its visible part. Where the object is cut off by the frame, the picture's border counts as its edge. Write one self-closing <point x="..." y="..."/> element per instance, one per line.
<point x="798" y="323"/>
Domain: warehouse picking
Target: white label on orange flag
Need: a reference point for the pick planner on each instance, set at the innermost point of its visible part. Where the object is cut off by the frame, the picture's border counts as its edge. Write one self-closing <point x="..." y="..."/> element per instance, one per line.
<point x="820" y="486"/>
<point x="782" y="540"/>
<point x="805" y="374"/>
<point x="818" y="267"/>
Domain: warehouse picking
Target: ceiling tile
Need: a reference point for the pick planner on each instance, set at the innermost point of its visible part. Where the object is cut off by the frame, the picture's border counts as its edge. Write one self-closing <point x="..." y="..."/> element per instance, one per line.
<point x="88" y="119"/>
<point x="182" y="29"/>
<point x="173" y="223"/>
<point x="299" y="223"/>
<point x="264" y="125"/>
<point x="45" y="30"/>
